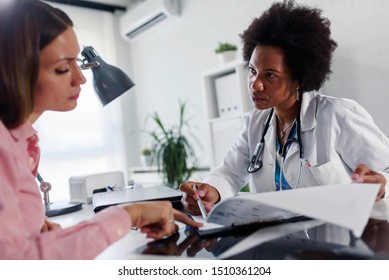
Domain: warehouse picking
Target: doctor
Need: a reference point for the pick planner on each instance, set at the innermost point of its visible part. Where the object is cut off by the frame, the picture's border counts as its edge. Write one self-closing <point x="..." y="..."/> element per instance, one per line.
<point x="295" y="137"/>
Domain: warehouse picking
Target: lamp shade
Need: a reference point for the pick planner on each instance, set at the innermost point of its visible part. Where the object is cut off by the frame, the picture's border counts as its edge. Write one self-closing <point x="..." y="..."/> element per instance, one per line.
<point x="109" y="81"/>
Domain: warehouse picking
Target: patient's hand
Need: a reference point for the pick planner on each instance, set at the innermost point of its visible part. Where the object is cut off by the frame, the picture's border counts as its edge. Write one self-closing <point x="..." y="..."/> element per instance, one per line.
<point x="49" y="226"/>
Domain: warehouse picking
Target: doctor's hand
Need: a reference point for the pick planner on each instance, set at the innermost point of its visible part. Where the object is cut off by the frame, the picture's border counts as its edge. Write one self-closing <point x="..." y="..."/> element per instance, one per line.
<point x="363" y="174"/>
<point x="207" y="193"/>
<point x="157" y="218"/>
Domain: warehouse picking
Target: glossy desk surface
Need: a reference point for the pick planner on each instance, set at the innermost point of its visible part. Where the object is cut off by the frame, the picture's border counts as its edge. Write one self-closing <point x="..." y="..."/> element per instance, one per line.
<point x="319" y="242"/>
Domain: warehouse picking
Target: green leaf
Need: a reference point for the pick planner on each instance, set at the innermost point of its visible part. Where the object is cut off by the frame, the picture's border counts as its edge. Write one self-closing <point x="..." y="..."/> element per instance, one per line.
<point x="223" y="47"/>
<point x="173" y="153"/>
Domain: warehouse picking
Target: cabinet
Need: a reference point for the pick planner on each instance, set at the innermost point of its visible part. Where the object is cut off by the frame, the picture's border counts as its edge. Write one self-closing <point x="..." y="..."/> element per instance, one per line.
<point x="227" y="101"/>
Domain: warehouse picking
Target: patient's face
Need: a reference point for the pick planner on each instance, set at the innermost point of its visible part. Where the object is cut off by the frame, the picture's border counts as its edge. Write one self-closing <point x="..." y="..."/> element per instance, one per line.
<point x="60" y="78"/>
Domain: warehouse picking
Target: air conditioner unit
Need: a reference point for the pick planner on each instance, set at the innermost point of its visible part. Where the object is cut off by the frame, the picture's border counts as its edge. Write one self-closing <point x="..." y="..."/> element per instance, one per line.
<point x="146" y="15"/>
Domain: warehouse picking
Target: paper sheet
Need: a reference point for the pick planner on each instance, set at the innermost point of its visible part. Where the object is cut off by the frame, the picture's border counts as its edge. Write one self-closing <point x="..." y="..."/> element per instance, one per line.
<point x="206" y="224"/>
<point x="380" y="210"/>
<point x="347" y="205"/>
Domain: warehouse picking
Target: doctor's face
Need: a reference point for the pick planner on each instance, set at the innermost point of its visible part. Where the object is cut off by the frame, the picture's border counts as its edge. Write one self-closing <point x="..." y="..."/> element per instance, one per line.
<point x="270" y="81"/>
<point x="60" y="77"/>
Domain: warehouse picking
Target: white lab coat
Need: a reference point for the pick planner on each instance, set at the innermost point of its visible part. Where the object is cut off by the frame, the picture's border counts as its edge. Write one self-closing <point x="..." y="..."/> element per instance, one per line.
<point x="337" y="134"/>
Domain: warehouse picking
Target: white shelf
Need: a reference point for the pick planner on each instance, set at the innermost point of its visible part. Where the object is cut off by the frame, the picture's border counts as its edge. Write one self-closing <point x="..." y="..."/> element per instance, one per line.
<point x="237" y="99"/>
<point x="227" y="101"/>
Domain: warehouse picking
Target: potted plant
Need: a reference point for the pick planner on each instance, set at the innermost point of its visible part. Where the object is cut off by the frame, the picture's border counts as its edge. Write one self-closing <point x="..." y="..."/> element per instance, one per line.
<point x="146" y="157"/>
<point x="172" y="152"/>
<point x="226" y="52"/>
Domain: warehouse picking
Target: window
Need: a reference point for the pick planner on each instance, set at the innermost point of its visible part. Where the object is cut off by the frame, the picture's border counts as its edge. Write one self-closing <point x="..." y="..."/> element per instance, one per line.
<point x="80" y="142"/>
<point x="88" y="139"/>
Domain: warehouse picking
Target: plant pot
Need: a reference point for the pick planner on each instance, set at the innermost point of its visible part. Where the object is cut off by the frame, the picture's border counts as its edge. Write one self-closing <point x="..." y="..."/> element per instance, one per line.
<point x="226" y="56"/>
<point x="145" y="160"/>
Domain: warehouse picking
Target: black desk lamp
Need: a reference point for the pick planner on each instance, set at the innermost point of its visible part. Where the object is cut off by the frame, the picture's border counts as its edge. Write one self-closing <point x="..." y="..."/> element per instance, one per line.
<point x="109" y="82"/>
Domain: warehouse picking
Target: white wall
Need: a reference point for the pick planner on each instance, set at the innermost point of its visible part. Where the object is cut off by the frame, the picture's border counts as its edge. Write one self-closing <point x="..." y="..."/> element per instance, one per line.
<point x="166" y="63"/>
<point x="360" y="66"/>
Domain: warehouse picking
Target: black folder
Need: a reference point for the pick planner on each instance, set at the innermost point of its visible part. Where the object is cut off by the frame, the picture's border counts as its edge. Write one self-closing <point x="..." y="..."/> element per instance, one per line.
<point x="244" y="229"/>
<point x="105" y="199"/>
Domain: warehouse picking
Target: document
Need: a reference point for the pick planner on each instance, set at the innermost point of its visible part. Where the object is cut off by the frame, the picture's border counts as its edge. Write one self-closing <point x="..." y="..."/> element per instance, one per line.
<point x="242" y="215"/>
<point x="347" y="205"/>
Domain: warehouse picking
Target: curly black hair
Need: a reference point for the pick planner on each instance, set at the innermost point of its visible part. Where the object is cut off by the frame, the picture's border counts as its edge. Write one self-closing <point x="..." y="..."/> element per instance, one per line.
<point x="303" y="35"/>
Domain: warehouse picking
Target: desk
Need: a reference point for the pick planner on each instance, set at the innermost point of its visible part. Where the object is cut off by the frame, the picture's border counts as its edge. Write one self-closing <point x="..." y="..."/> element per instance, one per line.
<point x="71" y="219"/>
<point x="321" y="242"/>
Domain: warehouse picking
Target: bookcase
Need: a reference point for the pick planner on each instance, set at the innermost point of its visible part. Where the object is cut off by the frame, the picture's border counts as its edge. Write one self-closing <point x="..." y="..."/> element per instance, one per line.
<point x="227" y="103"/>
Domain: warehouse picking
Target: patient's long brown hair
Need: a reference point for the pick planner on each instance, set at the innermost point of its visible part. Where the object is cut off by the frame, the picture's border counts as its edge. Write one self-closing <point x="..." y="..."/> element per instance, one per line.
<point x="26" y="27"/>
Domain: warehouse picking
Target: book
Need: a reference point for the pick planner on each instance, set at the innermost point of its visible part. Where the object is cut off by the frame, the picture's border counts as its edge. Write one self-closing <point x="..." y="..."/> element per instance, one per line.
<point x="347" y="205"/>
<point x="227" y="95"/>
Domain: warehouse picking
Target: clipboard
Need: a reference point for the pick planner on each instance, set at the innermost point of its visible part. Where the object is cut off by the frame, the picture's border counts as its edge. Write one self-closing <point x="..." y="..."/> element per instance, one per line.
<point x="347" y="205"/>
<point x="244" y="229"/>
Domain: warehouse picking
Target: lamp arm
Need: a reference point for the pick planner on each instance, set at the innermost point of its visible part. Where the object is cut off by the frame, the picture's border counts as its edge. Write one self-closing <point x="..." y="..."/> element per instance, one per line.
<point x="87" y="65"/>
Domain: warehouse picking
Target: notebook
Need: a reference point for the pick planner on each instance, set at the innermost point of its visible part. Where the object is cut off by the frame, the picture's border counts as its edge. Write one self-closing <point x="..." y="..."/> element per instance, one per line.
<point x="105" y="199"/>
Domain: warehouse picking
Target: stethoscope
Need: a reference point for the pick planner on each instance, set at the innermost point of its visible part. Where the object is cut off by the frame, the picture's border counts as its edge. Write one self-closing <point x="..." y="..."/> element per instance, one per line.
<point x="256" y="160"/>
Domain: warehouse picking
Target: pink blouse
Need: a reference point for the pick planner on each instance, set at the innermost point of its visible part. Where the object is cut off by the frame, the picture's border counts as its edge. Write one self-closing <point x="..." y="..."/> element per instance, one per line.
<point x="22" y="212"/>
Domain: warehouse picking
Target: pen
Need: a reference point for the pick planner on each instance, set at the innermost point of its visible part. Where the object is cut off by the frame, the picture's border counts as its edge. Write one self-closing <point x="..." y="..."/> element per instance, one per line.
<point x="200" y="204"/>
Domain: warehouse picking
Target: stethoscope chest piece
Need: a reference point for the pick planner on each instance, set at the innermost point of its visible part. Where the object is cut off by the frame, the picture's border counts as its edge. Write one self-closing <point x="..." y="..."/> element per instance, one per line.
<point x="256" y="161"/>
